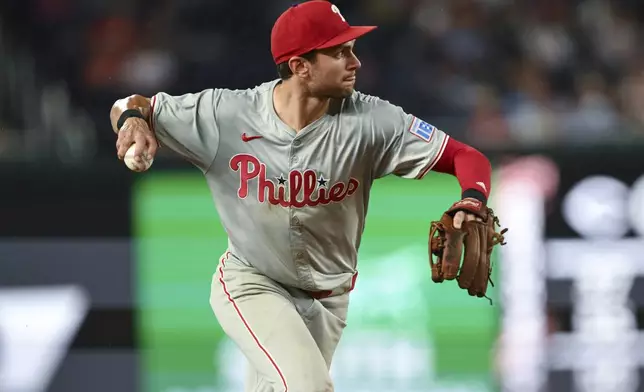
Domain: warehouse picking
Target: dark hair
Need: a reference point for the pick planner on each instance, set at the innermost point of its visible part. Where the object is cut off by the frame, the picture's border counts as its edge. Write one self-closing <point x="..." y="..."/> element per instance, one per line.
<point x="284" y="71"/>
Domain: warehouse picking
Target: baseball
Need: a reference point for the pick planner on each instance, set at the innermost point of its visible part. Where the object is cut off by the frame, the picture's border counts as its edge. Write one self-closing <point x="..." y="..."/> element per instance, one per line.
<point x="132" y="164"/>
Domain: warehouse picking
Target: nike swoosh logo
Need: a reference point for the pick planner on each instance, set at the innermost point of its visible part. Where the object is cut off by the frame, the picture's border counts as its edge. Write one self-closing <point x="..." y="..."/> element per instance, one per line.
<point x="245" y="138"/>
<point x="482" y="185"/>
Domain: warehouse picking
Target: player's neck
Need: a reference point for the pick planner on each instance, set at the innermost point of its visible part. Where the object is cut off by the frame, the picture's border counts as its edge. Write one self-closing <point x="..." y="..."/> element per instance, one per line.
<point x="296" y="108"/>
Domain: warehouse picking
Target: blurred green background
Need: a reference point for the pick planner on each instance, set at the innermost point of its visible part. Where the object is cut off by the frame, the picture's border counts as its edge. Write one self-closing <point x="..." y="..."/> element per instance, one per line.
<point x="404" y="332"/>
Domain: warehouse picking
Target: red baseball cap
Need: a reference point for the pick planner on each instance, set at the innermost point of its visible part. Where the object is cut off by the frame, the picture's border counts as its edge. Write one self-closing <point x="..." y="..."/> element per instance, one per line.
<point x="315" y="24"/>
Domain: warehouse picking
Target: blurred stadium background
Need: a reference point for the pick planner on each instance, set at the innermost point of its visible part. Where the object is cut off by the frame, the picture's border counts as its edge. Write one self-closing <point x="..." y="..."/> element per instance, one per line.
<point x="104" y="274"/>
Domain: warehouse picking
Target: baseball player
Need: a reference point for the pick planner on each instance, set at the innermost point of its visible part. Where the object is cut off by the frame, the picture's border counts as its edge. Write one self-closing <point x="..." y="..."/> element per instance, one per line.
<point x="290" y="164"/>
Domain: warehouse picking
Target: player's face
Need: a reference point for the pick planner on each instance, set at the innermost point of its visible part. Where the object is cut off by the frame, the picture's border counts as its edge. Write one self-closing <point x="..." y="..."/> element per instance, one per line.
<point x="333" y="74"/>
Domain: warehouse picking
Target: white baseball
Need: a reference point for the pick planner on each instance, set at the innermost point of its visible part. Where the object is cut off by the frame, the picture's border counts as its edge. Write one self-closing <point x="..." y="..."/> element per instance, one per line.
<point x="134" y="165"/>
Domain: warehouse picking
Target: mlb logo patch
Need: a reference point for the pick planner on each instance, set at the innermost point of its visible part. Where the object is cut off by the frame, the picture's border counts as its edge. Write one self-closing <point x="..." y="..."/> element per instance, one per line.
<point x="422" y="129"/>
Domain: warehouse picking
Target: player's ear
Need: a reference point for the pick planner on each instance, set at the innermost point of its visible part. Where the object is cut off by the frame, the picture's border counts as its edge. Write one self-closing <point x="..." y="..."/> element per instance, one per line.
<point x="299" y="66"/>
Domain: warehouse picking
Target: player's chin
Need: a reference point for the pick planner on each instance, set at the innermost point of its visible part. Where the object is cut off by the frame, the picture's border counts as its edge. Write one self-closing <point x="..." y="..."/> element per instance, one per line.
<point x="346" y="90"/>
<point x="339" y="93"/>
<point x="346" y="93"/>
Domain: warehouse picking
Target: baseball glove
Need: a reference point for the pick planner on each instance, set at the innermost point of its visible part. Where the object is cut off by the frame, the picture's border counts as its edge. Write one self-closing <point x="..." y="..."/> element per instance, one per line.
<point x="477" y="238"/>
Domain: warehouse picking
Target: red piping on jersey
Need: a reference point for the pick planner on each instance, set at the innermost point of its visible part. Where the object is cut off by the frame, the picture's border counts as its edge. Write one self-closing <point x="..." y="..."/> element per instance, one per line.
<point x="469" y="165"/>
<point x="154" y="102"/>
<point x="232" y="301"/>
<point x="436" y="159"/>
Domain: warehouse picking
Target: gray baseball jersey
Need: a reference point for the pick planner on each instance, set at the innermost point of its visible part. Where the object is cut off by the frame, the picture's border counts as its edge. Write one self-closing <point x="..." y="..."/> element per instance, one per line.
<point x="294" y="204"/>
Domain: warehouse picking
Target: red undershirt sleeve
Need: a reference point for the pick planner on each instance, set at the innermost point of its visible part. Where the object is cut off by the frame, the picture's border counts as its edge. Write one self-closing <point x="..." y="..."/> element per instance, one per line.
<point x="472" y="169"/>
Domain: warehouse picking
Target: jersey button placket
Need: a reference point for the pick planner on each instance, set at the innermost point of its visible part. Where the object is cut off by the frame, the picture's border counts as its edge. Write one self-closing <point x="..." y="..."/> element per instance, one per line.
<point x="298" y="246"/>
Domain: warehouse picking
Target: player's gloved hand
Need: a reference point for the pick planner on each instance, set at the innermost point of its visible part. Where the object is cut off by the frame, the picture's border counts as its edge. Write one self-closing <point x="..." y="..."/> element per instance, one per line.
<point x="136" y="131"/>
<point x="468" y="231"/>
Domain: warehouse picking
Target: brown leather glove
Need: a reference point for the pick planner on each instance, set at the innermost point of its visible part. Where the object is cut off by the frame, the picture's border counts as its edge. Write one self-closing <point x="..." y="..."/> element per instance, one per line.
<point x="476" y="237"/>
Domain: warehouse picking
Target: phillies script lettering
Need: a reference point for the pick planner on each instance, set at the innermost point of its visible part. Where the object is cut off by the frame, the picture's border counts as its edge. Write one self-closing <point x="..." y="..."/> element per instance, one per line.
<point x="303" y="187"/>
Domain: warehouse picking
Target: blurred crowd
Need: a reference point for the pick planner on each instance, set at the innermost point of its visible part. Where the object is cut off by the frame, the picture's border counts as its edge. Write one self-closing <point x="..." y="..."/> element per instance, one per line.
<point x="490" y="72"/>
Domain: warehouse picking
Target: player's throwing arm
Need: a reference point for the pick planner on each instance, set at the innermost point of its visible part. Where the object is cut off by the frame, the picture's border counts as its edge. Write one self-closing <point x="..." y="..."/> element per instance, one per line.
<point x="136" y="143"/>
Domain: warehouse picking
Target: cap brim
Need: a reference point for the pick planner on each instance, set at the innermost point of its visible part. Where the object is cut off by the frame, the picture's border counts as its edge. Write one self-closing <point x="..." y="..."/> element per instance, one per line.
<point x="353" y="32"/>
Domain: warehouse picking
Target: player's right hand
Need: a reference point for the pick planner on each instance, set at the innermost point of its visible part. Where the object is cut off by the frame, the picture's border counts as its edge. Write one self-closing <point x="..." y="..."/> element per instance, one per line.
<point x="136" y="131"/>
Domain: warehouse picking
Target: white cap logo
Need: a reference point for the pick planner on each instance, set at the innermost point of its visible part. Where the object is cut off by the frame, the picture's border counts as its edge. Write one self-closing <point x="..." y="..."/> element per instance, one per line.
<point x="337" y="11"/>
